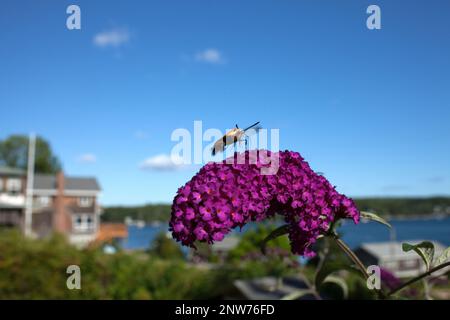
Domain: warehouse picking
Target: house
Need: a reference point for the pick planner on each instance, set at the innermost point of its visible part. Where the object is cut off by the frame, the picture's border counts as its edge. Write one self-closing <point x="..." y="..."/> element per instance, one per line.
<point x="219" y="249"/>
<point x="390" y="256"/>
<point x="222" y="248"/>
<point x="112" y="233"/>
<point x="60" y="203"/>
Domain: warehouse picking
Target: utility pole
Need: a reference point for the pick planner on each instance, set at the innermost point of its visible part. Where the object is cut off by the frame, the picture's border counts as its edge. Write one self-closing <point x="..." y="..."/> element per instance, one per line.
<point x="29" y="190"/>
<point x="393" y="241"/>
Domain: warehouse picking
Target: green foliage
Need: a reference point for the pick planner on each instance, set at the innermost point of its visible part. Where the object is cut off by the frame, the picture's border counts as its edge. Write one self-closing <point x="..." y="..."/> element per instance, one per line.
<point x="14" y="153"/>
<point x="332" y="281"/>
<point x="357" y="288"/>
<point x="278" y="232"/>
<point x="329" y="267"/>
<point x="425" y="250"/>
<point x="443" y="257"/>
<point x="333" y="260"/>
<point x="36" y="269"/>
<point x="252" y="239"/>
<point x="248" y="259"/>
<point x="204" y="253"/>
<point x="165" y="247"/>
<point x="297" y="294"/>
<point x="404" y="206"/>
<point x="373" y="217"/>
<point x="334" y="274"/>
<point x="326" y="246"/>
<point x="148" y="213"/>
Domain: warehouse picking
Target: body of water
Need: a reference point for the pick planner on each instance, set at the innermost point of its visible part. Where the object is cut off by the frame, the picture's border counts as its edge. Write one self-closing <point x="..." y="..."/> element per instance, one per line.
<point x="141" y="238"/>
<point x="402" y="230"/>
<point x="354" y="235"/>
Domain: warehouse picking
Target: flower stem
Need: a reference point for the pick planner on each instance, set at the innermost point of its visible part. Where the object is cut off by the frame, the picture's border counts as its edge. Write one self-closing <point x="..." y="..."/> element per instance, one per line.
<point x="419" y="277"/>
<point x="381" y="295"/>
<point x="311" y="287"/>
<point x="352" y="256"/>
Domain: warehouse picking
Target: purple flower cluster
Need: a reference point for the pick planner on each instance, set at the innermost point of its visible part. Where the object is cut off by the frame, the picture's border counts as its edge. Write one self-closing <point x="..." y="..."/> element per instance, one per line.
<point x="223" y="196"/>
<point x="389" y="279"/>
<point x="390" y="282"/>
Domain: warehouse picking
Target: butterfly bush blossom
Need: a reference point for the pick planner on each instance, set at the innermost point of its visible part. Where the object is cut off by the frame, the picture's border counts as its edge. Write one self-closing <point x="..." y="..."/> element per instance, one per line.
<point x="223" y="196"/>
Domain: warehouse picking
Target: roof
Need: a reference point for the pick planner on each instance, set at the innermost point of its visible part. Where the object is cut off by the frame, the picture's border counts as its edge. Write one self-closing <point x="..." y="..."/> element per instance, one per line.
<point x="265" y="288"/>
<point x="11" y="171"/>
<point x="391" y="249"/>
<point x="81" y="183"/>
<point x="48" y="182"/>
<point x="110" y="231"/>
<point x="226" y="244"/>
<point x="44" y="181"/>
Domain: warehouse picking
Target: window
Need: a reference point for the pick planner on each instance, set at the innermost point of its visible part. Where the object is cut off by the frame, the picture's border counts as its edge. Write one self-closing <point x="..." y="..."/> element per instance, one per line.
<point x="44" y="201"/>
<point x="391" y="264"/>
<point x="83" y="222"/>
<point x="14" y="185"/>
<point x="410" y="264"/>
<point x="85" y="201"/>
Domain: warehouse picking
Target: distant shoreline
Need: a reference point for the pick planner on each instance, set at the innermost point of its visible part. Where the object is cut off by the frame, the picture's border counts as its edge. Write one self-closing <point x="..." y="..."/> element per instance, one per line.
<point x="434" y="216"/>
<point x="402" y="208"/>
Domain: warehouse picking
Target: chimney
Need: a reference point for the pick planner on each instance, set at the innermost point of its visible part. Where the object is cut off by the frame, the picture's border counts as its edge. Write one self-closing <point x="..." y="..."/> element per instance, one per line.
<point x="59" y="216"/>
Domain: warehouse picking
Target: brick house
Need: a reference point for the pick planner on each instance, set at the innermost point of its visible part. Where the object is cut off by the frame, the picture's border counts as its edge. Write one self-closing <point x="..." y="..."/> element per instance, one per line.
<point x="63" y="204"/>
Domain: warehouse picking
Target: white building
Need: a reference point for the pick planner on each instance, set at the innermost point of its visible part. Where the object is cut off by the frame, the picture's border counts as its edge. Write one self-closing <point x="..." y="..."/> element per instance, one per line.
<point x="390" y="256"/>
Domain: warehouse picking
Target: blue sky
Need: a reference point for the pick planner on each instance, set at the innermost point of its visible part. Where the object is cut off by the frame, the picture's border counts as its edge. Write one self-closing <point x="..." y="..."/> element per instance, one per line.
<point x="369" y="108"/>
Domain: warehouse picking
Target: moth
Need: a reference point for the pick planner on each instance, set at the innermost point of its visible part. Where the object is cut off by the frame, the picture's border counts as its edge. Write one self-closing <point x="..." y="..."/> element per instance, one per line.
<point x="231" y="137"/>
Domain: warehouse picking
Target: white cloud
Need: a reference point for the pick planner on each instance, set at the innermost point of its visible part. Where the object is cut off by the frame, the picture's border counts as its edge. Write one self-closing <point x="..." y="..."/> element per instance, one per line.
<point x="212" y="56"/>
<point x="162" y="162"/>
<point x="87" y="158"/>
<point x="111" y="38"/>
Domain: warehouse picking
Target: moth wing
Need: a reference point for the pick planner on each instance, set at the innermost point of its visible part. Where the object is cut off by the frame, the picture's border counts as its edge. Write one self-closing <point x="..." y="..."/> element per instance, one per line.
<point x="230" y="137"/>
<point x="218" y="146"/>
<point x="233" y="136"/>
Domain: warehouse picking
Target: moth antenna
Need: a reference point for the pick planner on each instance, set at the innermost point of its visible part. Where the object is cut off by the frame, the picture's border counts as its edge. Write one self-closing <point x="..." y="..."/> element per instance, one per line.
<point x="253" y="125"/>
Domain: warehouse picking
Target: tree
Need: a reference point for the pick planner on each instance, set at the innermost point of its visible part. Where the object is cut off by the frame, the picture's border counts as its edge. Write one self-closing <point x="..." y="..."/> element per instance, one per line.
<point x="165" y="247"/>
<point x="14" y="153"/>
<point x="252" y="239"/>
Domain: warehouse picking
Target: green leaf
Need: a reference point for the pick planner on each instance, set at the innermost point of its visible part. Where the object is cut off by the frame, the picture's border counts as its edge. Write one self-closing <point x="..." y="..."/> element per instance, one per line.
<point x="278" y="232"/>
<point x="424" y="249"/>
<point x="443" y="257"/>
<point x="297" y="294"/>
<point x="328" y="268"/>
<point x="373" y="217"/>
<point x="340" y="282"/>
